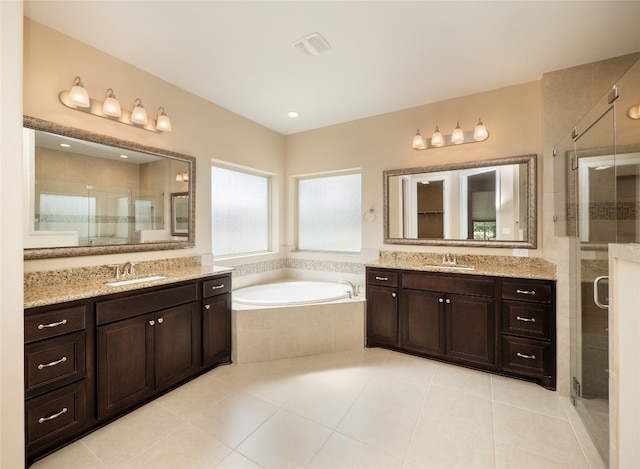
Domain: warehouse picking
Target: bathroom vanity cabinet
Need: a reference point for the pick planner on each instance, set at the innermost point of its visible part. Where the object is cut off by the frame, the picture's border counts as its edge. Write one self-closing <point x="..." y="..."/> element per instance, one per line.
<point x="502" y="325"/>
<point x="90" y="361"/>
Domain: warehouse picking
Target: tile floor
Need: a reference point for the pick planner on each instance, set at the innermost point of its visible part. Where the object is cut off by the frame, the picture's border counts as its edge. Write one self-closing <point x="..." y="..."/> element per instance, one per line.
<point x="366" y="409"/>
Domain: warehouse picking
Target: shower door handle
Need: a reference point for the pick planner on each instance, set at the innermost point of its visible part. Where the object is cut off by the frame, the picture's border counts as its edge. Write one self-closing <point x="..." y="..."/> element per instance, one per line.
<point x="596" y="298"/>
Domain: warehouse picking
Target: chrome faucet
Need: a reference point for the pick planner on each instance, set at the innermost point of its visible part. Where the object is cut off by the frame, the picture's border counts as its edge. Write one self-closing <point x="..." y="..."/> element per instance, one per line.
<point x="448" y="259"/>
<point x="354" y="288"/>
<point x="129" y="269"/>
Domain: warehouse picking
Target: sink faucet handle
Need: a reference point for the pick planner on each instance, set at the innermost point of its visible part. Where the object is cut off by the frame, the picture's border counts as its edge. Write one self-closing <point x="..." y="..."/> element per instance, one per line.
<point x="117" y="267"/>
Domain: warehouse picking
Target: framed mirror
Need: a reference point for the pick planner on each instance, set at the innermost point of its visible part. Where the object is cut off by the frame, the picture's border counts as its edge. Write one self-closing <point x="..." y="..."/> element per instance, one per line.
<point x="90" y="194"/>
<point x="486" y="203"/>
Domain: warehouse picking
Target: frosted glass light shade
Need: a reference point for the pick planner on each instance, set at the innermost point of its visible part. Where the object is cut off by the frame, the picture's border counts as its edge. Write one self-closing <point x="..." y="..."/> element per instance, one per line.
<point x="436" y="139"/>
<point x="418" y="142"/>
<point x="457" y="136"/>
<point x="480" y="133"/>
<point x="111" y="106"/>
<point x="138" y="115"/>
<point x="78" y="94"/>
<point x="162" y="122"/>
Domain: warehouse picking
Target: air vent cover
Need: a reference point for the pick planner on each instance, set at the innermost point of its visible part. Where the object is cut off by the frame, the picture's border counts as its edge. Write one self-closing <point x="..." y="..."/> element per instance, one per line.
<point x="312" y="45"/>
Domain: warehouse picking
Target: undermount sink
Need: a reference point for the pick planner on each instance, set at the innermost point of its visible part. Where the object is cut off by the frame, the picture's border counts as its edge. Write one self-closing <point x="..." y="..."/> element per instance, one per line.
<point x="119" y="283"/>
<point x="451" y="267"/>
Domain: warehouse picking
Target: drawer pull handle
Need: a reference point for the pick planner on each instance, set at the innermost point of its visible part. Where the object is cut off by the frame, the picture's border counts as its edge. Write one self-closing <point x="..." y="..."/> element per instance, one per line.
<point x="217" y="287"/>
<point x="53" y="363"/>
<point x="207" y="306"/>
<point x="160" y="320"/>
<point x="54" y="416"/>
<point x="384" y="279"/>
<point x="526" y="292"/>
<point x="53" y="324"/>
<point x="528" y="357"/>
<point x="520" y="318"/>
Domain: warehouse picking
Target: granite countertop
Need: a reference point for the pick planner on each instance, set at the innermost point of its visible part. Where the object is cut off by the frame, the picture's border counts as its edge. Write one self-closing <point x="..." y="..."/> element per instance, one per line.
<point x="52" y="289"/>
<point x="496" y="266"/>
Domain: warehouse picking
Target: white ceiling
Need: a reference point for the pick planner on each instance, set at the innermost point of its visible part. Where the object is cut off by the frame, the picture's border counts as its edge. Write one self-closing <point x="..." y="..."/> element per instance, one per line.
<point x="385" y="55"/>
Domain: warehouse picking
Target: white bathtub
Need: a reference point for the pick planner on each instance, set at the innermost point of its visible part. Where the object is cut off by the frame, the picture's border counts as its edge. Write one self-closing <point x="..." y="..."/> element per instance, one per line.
<point x="290" y="293"/>
<point x="293" y="319"/>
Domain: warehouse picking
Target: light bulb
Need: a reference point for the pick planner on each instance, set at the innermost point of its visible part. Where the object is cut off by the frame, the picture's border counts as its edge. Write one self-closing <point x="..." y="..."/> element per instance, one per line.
<point x="138" y="115"/>
<point x="457" y="136"/>
<point x="436" y="138"/>
<point x="480" y="133"/>
<point x="78" y="94"/>
<point x="111" y="106"/>
<point x="162" y="121"/>
<point x="418" y="141"/>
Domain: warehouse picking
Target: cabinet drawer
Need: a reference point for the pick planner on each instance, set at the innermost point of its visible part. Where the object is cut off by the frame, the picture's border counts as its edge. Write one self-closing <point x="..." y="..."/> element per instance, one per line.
<point x="54" y="362"/>
<point x="383" y="278"/>
<point x="526" y="319"/>
<point x="216" y="286"/>
<point x="56" y="415"/>
<point x="54" y="323"/>
<point x="135" y="305"/>
<point x="526" y="356"/>
<point x="461" y="284"/>
<point x="526" y="290"/>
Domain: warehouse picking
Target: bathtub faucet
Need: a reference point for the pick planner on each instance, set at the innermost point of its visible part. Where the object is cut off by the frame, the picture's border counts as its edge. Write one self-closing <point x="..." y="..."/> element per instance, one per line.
<point x="354" y="289"/>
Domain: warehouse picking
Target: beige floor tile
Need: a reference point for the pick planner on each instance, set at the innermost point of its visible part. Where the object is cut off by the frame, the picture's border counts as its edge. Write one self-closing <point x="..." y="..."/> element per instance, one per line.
<point x="462" y="379"/>
<point x="132" y="434"/>
<point x="512" y="457"/>
<point x="285" y="441"/>
<point x="340" y="452"/>
<point x="236" y="461"/>
<point x="537" y="433"/>
<point x="323" y="404"/>
<point x="462" y="449"/>
<point x="235" y="417"/>
<point x="76" y="456"/>
<point x="185" y="448"/>
<point x="526" y="395"/>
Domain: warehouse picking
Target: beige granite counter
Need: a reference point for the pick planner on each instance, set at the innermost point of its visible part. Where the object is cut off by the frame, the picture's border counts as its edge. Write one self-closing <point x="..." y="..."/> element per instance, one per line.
<point x="59" y="286"/>
<point x="497" y="266"/>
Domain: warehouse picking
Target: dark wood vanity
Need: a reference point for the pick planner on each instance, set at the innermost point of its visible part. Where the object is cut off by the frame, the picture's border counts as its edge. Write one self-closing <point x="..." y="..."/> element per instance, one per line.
<point x="497" y="324"/>
<point x="90" y="361"/>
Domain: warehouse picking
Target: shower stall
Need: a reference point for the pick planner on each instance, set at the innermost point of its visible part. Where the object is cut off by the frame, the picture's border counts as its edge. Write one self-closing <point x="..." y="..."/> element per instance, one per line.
<point x="597" y="202"/>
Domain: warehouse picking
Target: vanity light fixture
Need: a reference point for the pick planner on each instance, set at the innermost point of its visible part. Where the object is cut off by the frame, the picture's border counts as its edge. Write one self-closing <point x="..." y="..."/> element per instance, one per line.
<point x="457" y="137"/>
<point x="634" y="112"/>
<point x="182" y="176"/>
<point x="111" y="105"/>
<point x="77" y="98"/>
<point x="138" y="115"/>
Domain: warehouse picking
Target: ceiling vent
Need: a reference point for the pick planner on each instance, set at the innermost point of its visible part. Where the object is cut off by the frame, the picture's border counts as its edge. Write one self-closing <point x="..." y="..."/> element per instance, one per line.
<point x="312" y="45"/>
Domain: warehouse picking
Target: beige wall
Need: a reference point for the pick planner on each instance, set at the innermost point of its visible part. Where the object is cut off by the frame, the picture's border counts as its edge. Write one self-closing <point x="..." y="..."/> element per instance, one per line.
<point x="200" y="128"/>
<point x="512" y="116"/>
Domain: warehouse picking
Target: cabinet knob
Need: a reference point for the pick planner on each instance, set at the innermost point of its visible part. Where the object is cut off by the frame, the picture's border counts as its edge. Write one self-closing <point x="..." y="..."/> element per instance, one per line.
<point x="448" y="301"/>
<point x="440" y="300"/>
<point x="207" y="306"/>
<point x="160" y="320"/>
<point x="393" y="295"/>
<point x="152" y="322"/>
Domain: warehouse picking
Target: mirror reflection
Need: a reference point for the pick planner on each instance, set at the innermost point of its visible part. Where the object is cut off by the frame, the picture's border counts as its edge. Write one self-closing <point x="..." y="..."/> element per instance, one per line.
<point x="111" y="197"/>
<point x="484" y="203"/>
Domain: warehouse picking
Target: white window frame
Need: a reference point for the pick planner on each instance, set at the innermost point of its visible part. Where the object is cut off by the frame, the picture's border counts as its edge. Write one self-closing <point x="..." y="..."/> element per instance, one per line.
<point x="294" y="207"/>
<point x="272" y="216"/>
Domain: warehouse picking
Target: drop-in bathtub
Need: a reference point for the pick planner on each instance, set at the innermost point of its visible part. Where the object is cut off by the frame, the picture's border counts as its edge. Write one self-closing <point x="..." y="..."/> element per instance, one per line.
<point x="295" y="318"/>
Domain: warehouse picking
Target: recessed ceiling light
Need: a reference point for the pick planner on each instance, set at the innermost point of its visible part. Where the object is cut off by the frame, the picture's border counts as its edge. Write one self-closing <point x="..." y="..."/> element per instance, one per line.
<point x="66" y="145"/>
<point x="124" y="156"/>
<point x="293" y="114"/>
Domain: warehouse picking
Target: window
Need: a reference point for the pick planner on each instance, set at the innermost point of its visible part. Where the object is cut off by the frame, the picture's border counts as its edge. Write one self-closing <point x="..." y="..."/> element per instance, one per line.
<point x="329" y="213"/>
<point x="240" y="212"/>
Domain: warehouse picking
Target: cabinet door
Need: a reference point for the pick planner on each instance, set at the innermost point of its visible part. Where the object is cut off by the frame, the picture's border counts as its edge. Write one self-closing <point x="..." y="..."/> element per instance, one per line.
<point x="470" y="326"/>
<point x="125" y="363"/>
<point x="216" y="330"/>
<point x="382" y="316"/>
<point x="177" y="343"/>
<point x="421" y="322"/>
